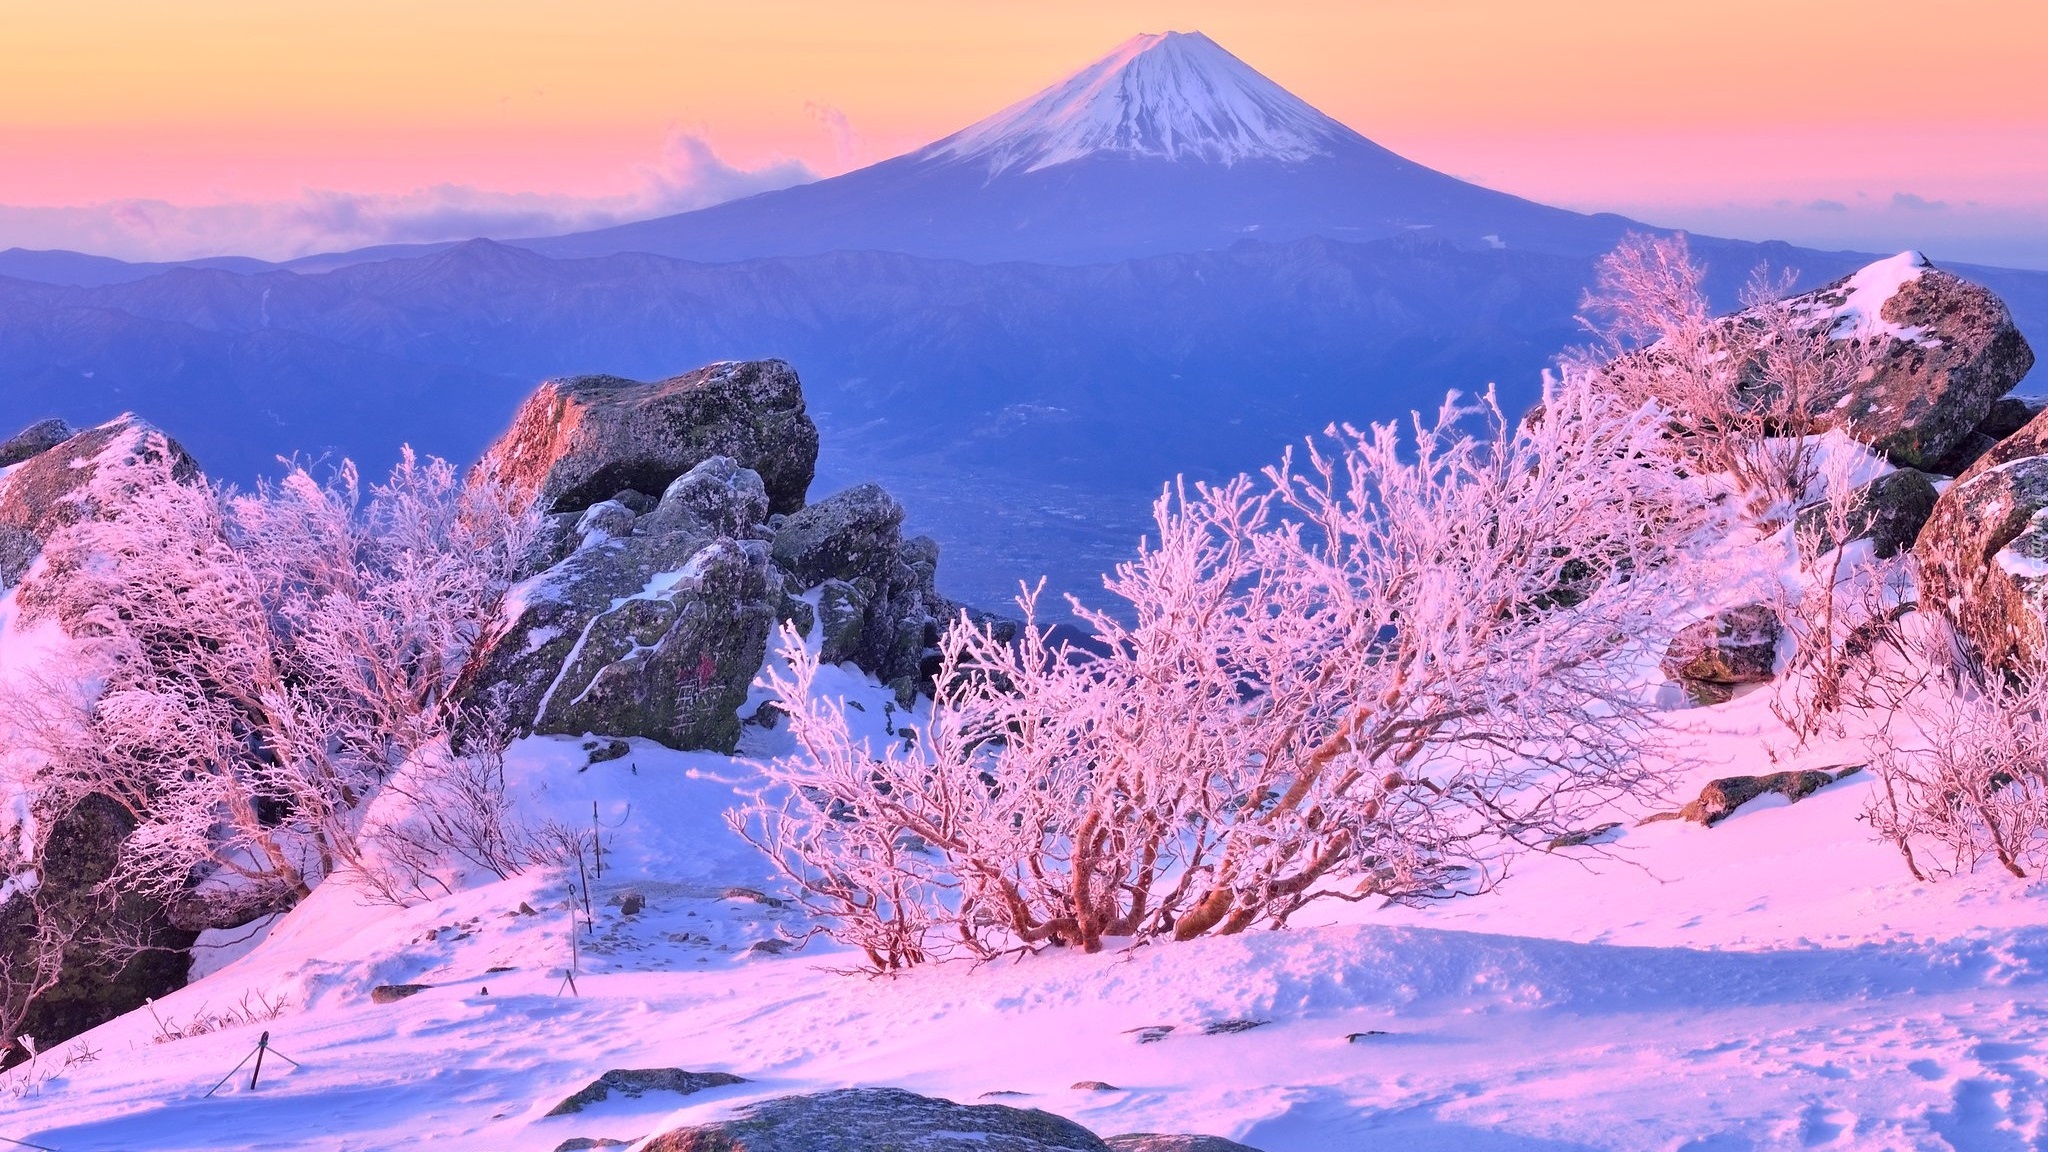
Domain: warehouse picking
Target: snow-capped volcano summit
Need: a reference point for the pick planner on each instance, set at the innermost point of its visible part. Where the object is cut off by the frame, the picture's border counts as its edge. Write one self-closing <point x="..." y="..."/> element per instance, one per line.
<point x="1171" y="96"/>
<point x="1167" y="144"/>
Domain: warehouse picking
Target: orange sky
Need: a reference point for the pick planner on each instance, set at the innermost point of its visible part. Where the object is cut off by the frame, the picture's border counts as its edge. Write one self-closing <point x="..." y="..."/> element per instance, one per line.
<point x="1735" y="107"/>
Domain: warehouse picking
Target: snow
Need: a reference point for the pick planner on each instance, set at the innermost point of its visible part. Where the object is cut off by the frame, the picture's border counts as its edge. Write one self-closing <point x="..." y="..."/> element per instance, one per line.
<point x="1171" y="96"/>
<point x="1860" y="315"/>
<point x="1776" y="981"/>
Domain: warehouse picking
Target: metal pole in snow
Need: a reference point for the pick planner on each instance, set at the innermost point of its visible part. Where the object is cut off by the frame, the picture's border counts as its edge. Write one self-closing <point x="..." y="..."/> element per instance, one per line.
<point x="262" y="1042"/>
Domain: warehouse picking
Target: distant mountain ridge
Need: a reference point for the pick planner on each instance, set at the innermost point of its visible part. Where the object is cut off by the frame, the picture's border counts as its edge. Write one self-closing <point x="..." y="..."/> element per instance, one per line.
<point x="1165" y="263"/>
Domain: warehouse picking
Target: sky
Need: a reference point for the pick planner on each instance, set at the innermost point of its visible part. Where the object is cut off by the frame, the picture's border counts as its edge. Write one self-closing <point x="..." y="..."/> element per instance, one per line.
<point x="147" y="130"/>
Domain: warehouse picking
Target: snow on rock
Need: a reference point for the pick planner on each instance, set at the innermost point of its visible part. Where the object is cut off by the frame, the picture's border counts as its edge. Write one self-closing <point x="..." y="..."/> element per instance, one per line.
<point x="1865" y="294"/>
<point x="1169" y="96"/>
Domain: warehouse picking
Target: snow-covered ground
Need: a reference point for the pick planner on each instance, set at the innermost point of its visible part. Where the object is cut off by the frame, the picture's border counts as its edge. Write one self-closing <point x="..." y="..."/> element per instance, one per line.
<point x="1776" y="981"/>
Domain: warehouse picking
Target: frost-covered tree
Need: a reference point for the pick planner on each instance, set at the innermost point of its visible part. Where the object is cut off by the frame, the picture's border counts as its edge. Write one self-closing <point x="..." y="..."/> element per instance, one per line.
<point x="259" y="662"/>
<point x="1378" y="671"/>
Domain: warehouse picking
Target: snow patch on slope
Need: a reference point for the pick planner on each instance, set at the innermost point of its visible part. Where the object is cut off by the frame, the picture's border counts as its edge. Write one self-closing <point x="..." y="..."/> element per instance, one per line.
<point x="1171" y="96"/>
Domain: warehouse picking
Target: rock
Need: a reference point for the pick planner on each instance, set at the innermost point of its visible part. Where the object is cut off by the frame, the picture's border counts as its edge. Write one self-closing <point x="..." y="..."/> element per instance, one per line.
<point x="656" y="633"/>
<point x="753" y="895"/>
<point x="1151" y="1033"/>
<point x="1095" y="1086"/>
<point x="1154" y="1142"/>
<point x="1231" y="1027"/>
<point x="637" y="1082"/>
<point x="33" y="440"/>
<point x="585" y="1143"/>
<point x="2030" y="440"/>
<point x="605" y="751"/>
<point x="632" y="904"/>
<point x="1720" y="798"/>
<point x="393" y="993"/>
<point x="1984" y="560"/>
<point x="845" y="536"/>
<point x="581" y="439"/>
<point x="1888" y="511"/>
<point x="1946" y="351"/>
<point x="880" y="1118"/>
<point x="2008" y="415"/>
<point x="83" y="849"/>
<point x="46" y="491"/>
<point x="770" y="947"/>
<point x="1582" y="837"/>
<point x="1738" y="646"/>
<point x="878" y="603"/>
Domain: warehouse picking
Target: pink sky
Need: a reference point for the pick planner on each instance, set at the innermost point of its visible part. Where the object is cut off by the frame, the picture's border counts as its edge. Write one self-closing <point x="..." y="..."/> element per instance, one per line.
<point x="151" y="131"/>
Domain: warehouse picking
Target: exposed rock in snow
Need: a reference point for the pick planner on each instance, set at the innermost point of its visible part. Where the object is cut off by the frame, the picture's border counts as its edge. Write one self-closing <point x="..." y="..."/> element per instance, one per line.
<point x="1888" y="511"/>
<point x="1738" y="646"/>
<point x="583" y="439"/>
<point x="1984" y="558"/>
<point x="881" y="1118"/>
<point x="1171" y="96"/>
<point x="637" y="1082"/>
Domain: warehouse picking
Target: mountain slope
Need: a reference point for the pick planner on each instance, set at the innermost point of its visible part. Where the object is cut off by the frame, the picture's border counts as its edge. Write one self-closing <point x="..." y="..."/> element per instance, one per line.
<point x="1169" y="143"/>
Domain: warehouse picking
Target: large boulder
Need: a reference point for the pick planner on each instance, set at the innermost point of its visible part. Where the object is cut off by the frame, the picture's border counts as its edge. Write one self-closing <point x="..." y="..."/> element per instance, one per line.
<point x="1984" y="559"/>
<point x="1943" y="351"/>
<point x="880" y="1118"/>
<point x="583" y="439"/>
<point x="46" y="490"/>
<point x="651" y="625"/>
<point x="1174" y="1142"/>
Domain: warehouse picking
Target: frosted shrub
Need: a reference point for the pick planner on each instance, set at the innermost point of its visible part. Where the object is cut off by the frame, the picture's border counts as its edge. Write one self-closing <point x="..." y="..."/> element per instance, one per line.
<point x="1967" y="779"/>
<point x="263" y="661"/>
<point x="1378" y="671"/>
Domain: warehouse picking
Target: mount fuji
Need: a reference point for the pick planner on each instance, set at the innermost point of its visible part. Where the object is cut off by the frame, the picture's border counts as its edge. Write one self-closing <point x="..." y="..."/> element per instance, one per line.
<point x="1168" y="144"/>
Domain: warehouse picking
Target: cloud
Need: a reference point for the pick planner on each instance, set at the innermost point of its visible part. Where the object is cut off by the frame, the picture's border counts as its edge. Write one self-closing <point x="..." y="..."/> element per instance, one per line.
<point x="1913" y="203"/>
<point x="1825" y="205"/>
<point x="845" y="141"/>
<point x="688" y="174"/>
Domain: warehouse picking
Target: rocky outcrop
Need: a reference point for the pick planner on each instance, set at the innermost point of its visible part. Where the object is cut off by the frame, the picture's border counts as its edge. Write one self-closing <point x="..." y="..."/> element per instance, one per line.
<point x="877" y="603"/>
<point x="881" y="1118"/>
<point x="83" y="849"/>
<point x="583" y="439"/>
<point x="46" y="490"/>
<point x="1730" y="648"/>
<point x="1983" y="559"/>
<point x="652" y="625"/>
<point x="33" y="440"/>
<point x="1888" y="511"/>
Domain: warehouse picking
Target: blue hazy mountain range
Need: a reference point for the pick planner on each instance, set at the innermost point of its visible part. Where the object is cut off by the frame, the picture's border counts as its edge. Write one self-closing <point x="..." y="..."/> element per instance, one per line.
<point x="1164" y="264"/>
